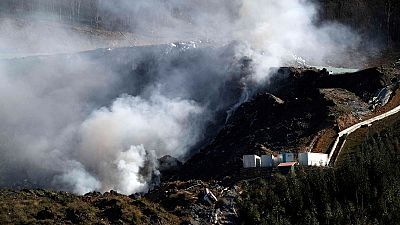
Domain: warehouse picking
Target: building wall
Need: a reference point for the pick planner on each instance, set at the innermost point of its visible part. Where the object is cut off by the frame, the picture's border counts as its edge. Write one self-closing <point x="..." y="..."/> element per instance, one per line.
<point x="288" y="157"/>
<point x="313" y="159"/>
<point x="278" y="159"/>
<point x="250" y="161"/>
<point x="303" y="159"/>
<point x="267" y="160"/>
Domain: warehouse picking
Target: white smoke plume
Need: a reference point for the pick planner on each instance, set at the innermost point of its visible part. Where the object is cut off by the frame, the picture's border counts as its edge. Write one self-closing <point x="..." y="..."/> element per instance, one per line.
<point x="110" y="138"/>
<point x="71" y="122"/>
<point x="276" y="31"/>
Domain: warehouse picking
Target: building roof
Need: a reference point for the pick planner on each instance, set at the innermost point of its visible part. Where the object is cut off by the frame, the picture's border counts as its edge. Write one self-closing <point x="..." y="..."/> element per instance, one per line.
<point x="287" y="164"/>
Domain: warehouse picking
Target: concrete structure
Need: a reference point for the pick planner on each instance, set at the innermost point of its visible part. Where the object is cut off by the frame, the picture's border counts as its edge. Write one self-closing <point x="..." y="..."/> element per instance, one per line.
<point x="286" y="168"/>
<point x="251" y="161"/>
<point x="313" y="159"/>
<point x="210" y="197"/>
<point x="343" y="134"/>
<point x="277" y="159"/>
<point x="288" y="157"/>
<point x="381" y="98"/>
<point x="267" y="161"/>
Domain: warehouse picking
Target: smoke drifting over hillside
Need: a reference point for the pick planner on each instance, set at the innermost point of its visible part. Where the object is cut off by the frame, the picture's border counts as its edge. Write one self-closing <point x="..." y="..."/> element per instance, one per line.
<point x="278" y="30"/>
<point x="99" y="120"/>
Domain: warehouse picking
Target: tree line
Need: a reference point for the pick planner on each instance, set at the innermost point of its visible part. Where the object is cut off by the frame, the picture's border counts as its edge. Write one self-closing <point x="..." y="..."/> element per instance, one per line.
<point x="364" y="190"/>
<point x="379" y="19"/>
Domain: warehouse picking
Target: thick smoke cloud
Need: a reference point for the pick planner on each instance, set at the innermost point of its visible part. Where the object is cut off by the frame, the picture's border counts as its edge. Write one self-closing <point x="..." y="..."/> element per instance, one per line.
<point x="286" y="31"/>
<point x="171" y="19"/>
<point x="276" y="31"/>
<point x="160" y="125"/>
<point x="42" y="106"/>
<point x="99" y="120"/>
<point x="35" y="37"/>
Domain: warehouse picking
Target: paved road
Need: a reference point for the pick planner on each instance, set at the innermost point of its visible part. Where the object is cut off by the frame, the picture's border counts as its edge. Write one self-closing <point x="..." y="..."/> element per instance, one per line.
<point x="356" y="127"/>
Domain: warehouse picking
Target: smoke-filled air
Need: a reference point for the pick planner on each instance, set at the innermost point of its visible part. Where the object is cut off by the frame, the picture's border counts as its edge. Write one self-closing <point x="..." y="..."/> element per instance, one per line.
<point x="95" y="115"/>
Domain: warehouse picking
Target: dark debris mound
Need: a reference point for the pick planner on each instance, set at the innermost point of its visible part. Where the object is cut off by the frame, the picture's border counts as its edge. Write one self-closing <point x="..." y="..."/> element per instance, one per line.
<point x="296" y="106"/>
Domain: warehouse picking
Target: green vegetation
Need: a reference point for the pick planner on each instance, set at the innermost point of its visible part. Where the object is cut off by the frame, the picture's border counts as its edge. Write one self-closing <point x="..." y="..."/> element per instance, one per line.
<point x="365" y="189"/>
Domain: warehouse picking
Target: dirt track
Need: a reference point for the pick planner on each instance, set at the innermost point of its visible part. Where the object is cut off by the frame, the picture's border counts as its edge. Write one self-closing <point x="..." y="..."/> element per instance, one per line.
<point x="339" y="142"/>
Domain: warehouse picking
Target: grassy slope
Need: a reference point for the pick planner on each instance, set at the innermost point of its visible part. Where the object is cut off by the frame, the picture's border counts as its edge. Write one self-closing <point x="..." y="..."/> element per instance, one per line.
<point x="46" y="207"/>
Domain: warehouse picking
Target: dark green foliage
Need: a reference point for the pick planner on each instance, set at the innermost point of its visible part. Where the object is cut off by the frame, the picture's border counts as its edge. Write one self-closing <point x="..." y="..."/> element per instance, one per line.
<point x="364" y="190"/>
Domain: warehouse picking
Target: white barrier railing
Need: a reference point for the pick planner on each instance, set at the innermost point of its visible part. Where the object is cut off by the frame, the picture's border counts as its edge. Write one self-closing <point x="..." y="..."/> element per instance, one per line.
<point x="358" y="126"/>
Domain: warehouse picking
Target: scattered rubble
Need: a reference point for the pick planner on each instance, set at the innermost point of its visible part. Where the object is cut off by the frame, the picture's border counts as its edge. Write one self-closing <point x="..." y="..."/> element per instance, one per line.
<point x="381" y="97"/>
<point x="198" y="201"/>
<point x="210" y="197"/>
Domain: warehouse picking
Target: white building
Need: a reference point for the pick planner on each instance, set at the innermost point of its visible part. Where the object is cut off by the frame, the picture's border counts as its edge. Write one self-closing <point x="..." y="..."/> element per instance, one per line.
<point x="287" y="157"/>
<point x="251" y="161"/>
<point x="267" y="160"/>
<point x="313" y="159"/>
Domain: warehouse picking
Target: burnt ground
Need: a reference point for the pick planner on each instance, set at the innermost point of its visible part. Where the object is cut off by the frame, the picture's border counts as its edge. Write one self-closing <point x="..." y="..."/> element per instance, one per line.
<point x="304" y="110"/>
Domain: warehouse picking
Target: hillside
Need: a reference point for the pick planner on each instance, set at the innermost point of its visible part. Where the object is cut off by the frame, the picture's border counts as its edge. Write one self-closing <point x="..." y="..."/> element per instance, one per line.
<point x="47" y="207"/>
<point x="27" y="38"/>
<point x="374" y="19"/>
<point x="141" y="112"/>
<point x="362" y="188"/>
<point x="312" y="195"/>
<point x="294" y="115"/>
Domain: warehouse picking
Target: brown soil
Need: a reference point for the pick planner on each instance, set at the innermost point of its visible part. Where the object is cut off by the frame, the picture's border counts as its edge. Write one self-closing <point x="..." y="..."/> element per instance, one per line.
<point x="325" y="140"/>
